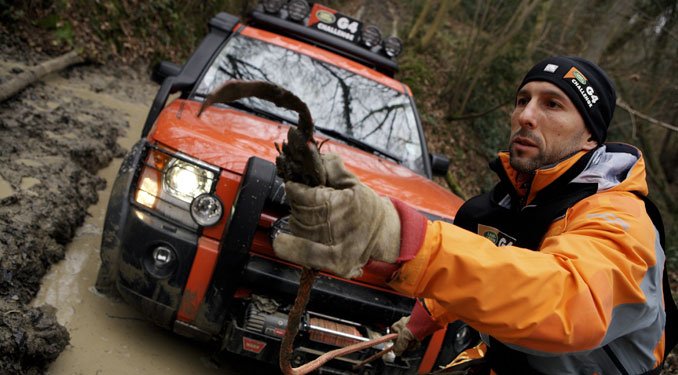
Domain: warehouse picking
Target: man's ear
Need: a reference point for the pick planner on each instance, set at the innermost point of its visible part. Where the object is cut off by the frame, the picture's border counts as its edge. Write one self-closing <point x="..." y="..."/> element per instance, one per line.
<point x="590" y="144"/>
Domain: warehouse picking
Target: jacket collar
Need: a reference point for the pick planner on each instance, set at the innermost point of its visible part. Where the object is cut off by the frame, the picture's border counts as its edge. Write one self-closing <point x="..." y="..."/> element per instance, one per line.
<point x="612" y="166"/>
<point x="528" y="185"/>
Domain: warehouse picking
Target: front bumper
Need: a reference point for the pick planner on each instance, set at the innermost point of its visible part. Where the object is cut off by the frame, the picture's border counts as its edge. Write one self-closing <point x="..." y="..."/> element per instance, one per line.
<point x="156" y="295"/>
<point x="131" y="234"/>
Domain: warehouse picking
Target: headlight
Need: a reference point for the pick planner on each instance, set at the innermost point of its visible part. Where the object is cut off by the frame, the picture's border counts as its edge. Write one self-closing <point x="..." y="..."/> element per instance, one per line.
<point x="168" y="184"/>
<point x="186" y="181"/>
<point x="371" y="36"/>
<point x="393" y="46"/>
<point x="160" y="261"/>
<point x="298" y="10"/>
<point x="462" y="339"/>
<point x="273" y="6"/>
<point x="206" y="210"/>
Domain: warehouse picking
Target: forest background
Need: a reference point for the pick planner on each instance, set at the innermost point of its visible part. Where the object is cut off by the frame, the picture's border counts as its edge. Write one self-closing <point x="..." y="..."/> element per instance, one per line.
<point x="463" y="60"/>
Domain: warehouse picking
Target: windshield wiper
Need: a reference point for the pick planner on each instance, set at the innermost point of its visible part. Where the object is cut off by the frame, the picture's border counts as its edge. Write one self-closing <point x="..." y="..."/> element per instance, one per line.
<point x="358" y="143"/>
<point x="256" y="110"/>
<point x="264" y="113"/>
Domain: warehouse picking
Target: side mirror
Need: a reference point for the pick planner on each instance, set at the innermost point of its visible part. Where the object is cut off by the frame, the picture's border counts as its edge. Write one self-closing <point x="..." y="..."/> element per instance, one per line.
<point x="163" y="70"/>
<point x="439" y="164"/>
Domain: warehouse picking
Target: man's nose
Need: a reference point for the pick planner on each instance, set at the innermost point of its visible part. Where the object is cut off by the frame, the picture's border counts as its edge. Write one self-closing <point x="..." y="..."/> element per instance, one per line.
<point x="527" y="118"/>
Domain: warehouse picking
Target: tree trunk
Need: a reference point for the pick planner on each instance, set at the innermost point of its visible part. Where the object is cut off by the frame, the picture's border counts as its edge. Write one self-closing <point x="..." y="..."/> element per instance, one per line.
<point x="668" y="157"/>
<point x="540" y="28"/>
<point x="437" y="21"/>
<point x="35" y="73"/>
<point x="607" y="27"/>
<point x="420" y="20"/>
<point x="508" y="32"/>
<point x="566" y="27"/>
<point x="455" y="87"/>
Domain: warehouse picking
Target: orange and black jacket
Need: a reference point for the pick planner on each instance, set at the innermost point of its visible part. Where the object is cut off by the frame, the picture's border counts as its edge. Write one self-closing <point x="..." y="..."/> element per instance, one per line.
<point x="561" y="273"/>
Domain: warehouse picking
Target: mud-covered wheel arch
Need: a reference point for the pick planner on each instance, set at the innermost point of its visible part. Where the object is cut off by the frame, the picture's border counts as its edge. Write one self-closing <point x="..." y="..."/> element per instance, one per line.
<point x="117" y="210"/>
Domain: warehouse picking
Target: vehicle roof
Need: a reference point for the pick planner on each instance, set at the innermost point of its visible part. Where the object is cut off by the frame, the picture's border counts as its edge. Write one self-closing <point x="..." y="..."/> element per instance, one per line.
<point x="325" y="56"/>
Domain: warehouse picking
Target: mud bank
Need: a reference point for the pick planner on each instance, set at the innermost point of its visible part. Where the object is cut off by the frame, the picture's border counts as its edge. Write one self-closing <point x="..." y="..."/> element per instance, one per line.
<point x="61" y="143"/>
<point x="51" y="146"/>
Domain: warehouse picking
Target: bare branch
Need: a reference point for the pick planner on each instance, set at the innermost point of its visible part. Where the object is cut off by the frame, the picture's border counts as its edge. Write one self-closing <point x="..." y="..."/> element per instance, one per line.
<point x="480" y="114"/>
<point x="625" y="106"/>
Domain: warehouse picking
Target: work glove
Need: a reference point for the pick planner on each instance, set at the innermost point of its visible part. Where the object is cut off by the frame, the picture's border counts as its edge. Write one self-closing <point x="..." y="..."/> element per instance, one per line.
<point x="413" y="329"/>
<point x="405" y="340"/>
<point x="338" y="227"/>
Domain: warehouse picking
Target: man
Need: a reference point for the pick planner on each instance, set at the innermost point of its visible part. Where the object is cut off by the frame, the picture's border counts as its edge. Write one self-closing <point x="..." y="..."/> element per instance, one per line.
<point x="559" y="266"/>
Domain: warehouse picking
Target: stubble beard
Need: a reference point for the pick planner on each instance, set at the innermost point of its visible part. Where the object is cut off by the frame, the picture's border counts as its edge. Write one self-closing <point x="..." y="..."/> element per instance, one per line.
<point x="529" y="164"/>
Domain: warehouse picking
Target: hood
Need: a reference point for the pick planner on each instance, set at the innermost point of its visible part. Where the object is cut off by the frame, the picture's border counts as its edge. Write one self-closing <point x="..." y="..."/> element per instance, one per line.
<point x="612" y="166"/>
<point x="616" y="167"/>
<point x="228" y="137"/>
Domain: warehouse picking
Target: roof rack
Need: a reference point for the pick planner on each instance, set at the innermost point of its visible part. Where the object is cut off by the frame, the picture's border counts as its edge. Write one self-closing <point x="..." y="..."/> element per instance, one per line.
<point x="329" y="30"/>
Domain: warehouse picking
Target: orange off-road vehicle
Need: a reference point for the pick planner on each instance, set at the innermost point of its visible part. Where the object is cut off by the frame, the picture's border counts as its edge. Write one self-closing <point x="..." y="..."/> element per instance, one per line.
<point x="187" y="231"/>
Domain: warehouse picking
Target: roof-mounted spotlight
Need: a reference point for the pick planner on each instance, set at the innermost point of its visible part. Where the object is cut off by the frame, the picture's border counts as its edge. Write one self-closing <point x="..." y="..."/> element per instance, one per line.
<point x="393" y="46"/>
<point x="273" y="6"/>
<point x="371" y="36"/>
<point x="298" y="10"/>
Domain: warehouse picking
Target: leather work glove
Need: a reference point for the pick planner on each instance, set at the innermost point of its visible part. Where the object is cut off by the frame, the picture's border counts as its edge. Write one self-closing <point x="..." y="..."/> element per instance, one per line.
<point x="338" y="227"/>
<point x="406" y="339"/>
<point x="413" y="329"/>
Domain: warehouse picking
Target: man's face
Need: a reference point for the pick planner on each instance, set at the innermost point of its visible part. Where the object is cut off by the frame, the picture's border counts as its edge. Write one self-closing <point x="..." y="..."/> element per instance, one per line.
<point x="545" y="127"/>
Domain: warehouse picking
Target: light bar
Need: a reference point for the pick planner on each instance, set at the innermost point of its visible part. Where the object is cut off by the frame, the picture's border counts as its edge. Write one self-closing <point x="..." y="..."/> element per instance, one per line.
<point x="298" y="10"/>
<point x="393" y="46"/>
<point x="371" y="36"/>
<point x="273" y="6"/>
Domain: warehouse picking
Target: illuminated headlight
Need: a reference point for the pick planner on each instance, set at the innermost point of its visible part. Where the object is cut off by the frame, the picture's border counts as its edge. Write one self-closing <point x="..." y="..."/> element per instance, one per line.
<point x="186" y="181"/>
<point x="371" y="36"/>
<point x="298" y="9"/>
<point x="168" y="184"/>
<point x="206" y="210"/>
<point x="393" y="46"/>
<point x="273" y="6"/>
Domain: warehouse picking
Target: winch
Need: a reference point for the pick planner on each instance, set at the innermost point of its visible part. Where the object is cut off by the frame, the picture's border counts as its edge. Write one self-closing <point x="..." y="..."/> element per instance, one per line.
<point x="320" y="332"/>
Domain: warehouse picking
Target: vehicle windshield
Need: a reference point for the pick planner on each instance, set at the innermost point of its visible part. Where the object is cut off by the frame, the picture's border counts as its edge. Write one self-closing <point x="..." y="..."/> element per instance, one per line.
<point x="340" y="100"/>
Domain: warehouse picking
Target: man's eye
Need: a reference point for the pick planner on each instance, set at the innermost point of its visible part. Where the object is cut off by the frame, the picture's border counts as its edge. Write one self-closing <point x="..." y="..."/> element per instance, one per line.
<point x="522" y="101"/>
<point x="552" y="104"/>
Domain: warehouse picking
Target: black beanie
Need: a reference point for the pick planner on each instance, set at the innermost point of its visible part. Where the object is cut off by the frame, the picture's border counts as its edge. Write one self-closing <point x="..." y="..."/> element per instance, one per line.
<point x="587" y="86"/>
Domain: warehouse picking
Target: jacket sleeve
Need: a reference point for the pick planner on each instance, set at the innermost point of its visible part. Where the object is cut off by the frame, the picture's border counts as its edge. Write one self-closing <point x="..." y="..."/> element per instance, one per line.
<point x="596" y="266"/>
<point x="421" y="324"/>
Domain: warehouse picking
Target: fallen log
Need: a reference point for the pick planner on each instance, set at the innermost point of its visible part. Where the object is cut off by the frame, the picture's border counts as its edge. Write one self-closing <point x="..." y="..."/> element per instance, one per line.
<point x="35" y="73"/>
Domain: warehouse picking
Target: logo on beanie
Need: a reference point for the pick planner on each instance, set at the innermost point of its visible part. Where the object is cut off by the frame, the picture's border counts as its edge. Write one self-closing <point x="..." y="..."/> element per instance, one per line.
<point x="551" y="68"/>
<point x="574" y="73"/>
<point x="580" y="82"/>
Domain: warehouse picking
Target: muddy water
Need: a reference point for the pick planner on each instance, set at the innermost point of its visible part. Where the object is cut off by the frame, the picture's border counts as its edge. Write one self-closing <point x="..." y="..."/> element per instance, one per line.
<point x="107" y="336"/>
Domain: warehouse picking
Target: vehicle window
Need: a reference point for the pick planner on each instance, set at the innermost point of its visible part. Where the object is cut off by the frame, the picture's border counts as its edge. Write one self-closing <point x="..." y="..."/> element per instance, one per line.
<point x="338" y="99"/>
